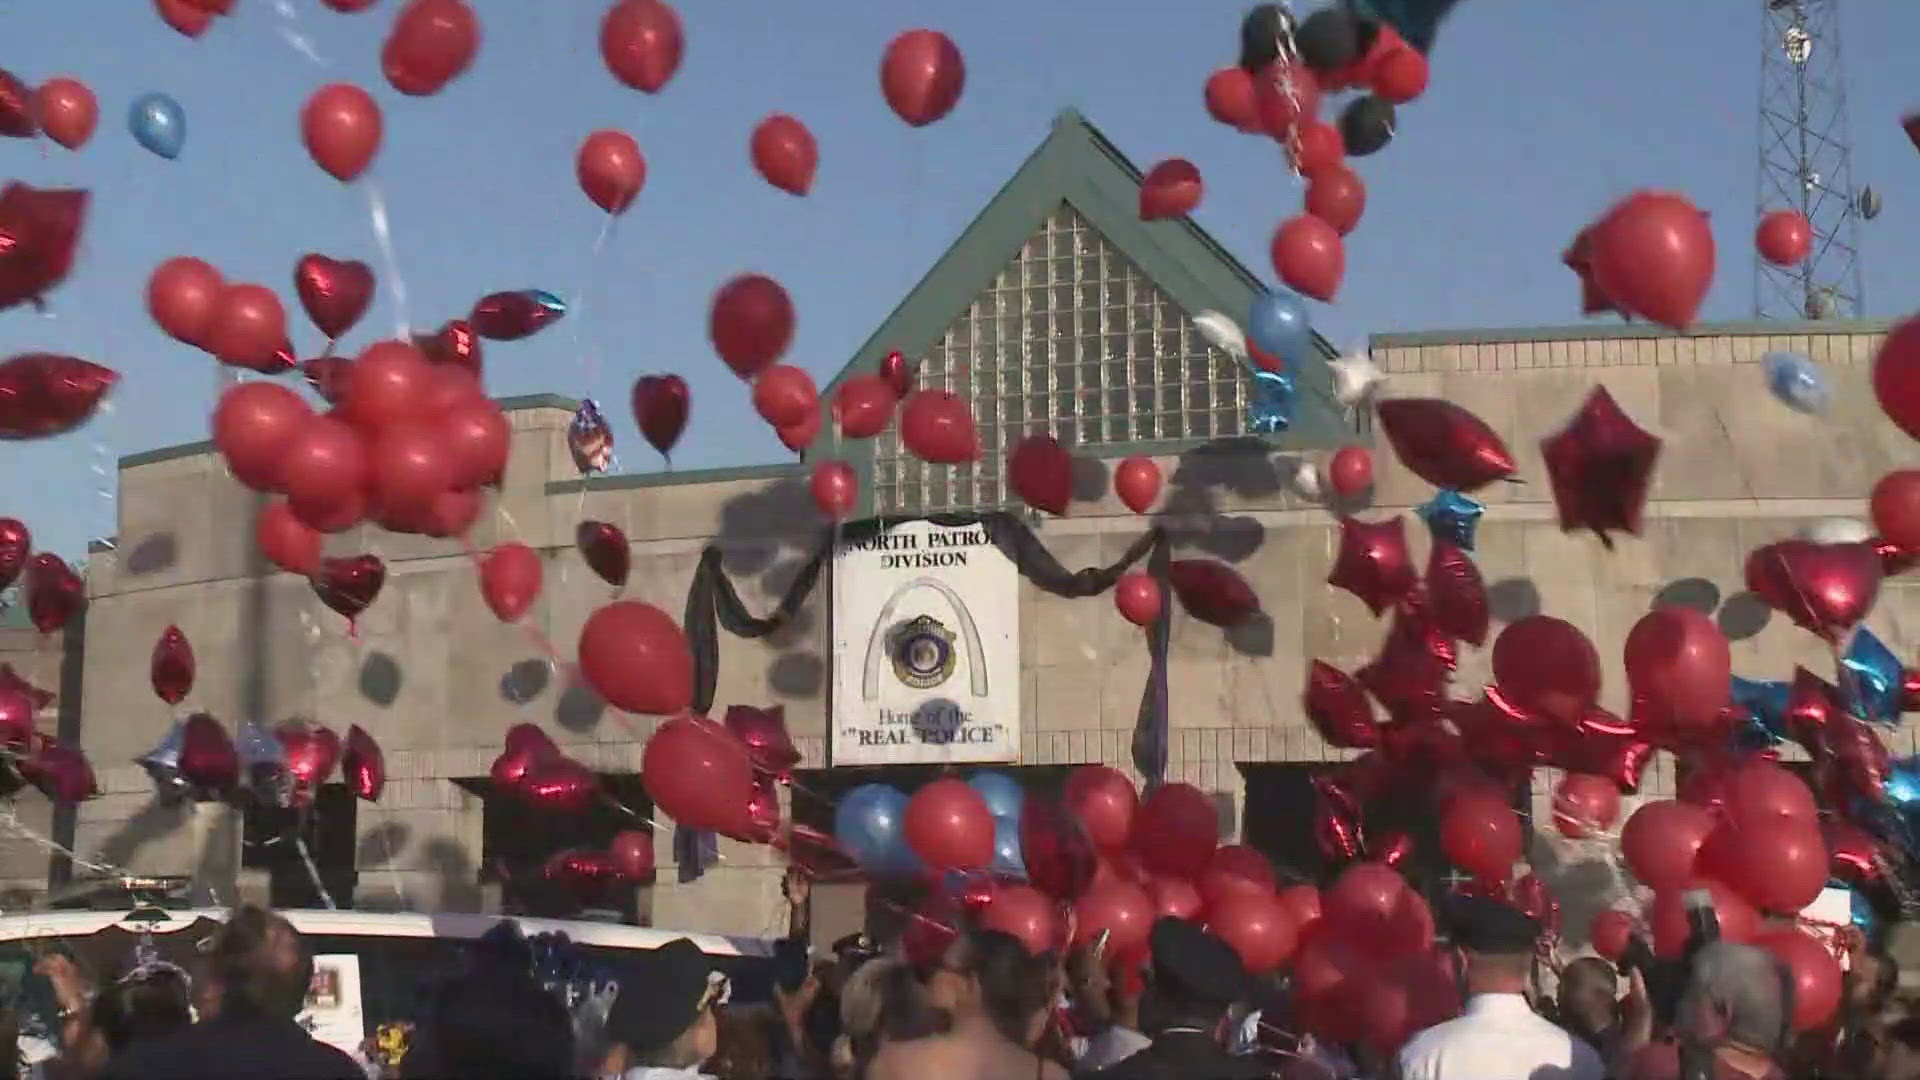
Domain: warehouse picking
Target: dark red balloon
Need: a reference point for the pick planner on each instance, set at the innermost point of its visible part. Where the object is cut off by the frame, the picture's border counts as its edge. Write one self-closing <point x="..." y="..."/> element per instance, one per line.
<point x="349" y="585"/>
<point x="1172" y="188"/>
<point x="342" y="128"/>
<point x="558" y="784"/>
<point x="16" y="543"/>
<point x="632" y="852"/>
<point x="1895" y="506"/>
<point x="364" y="765"/>
<point x="16" y="108"/>
<point x="1444" y="444"/>
<point x="1309" y="256"/>
<point x="1313" y="146"/>
<point x="1257" y="927"/>
<point x="1579" y="258"/>
<point x="611" y="170"/>
<point x="1584" y="805"/>
<point x="1679" y="667"/>
<point x="515" y="314"/>
<point x="641" y="42"/>
<point x="936" y="426"/>
<point x="61" y="772"/>
<point x="1653" y="254"/>
<point x="334" y="292"/>
<point x="311" y="751"/>
<point x="1055" y="844"/>
<point x="1456" y="595"/>
<point x="1600" y="465"/>
<point x="456" y="342"/>
<point x="1139" y="598"/>
<point x="431" y="43"/>
<point x="1338" y="708"/>
<point x="784" y="152"/>
<point x="182" y="295"/>
<point x="208" y="761"/>
<point x="42" y="394"/>
<point x="1825" y="588"/>
<point x="1548" y="667"/>
<point x="835" y="488"/>
<point x="1136" y="481"/>
<point x="172" y="668"/>
<point x="1176" y="830"/>
<point x="1373" y="563"/>
<point x="897" y="373"/>
<point x="634" y="656"/>
<point x="661" y="404"/>
<point x="751" y="323"/>
<point x="764" y="734"/>
<point x="922" y="76"/>
<point x="1610" y="933"/>
<point x="1896" y="371"/>
<point x="863" y="406"/>
<point x="604" y="547"/>
<point x="1212" y="592"/>
<point x="1667" y="917"/>
<point x="39" y="234"/>
<point x="1336" y="196"/>
<point x="699" y="775"/>
<point x="327" y="375"/>
<point x="55" y="594"/>
<point x="1481" y="834"/>
<point x="1040" y="471"/>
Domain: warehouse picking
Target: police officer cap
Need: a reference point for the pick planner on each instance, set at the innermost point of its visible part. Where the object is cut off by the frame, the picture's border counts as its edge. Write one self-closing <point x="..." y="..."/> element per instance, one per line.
<point x="1483" y="925"/>
<point x="1194" y="964"/>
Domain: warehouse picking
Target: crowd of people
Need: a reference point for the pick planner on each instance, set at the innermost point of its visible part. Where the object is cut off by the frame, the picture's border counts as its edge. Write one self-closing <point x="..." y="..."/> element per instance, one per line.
<point x="985" y="1008"/>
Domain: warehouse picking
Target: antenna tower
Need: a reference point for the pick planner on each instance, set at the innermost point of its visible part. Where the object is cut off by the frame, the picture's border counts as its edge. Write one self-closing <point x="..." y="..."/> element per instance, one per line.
<point x="1806" y="163"/>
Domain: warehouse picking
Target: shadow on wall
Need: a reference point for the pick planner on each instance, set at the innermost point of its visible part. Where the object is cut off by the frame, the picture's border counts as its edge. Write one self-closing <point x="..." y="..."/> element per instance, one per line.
<point x="381" y="888"/>
<point x="151" y="822"/>
<point x="1191" y="509"/>
<point x="1739" y="616"/>
<point x="765" y="540"/>
<point x="153" y="554"/>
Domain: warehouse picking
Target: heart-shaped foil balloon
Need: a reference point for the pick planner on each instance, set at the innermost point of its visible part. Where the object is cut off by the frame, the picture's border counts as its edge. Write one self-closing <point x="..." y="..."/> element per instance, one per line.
<point x="582" y="871"/>
<point x="207" y="761"/>
<point x="364" y="765"/>
<point x="11" y="680"/>
<point x="632" y="851"/>
<point x="334" y="292"/>
<point x="525" y="745"/>
<point x="510" y="316"/>
<point x="763" y="812"/>
<point x="60" y="771"/>
<point x="764" y="733"/>
<point x="16" y="720"/>
<point x="39" y="231"/>
<point x="328" y="376"/>
<point x="661" y="405"/>
<point x="55" y="594"/>
<point x="454" y="343"/>
<point x="897" y="373"/>
<point x="604" y="547"/>
<point x="1825" y="588"/>
<point x="349" y="585"/>
<point x="42" y="394"/>
<point x="16" y="543"/>
<point x="173" y="667"/>
<point x="560" y="785"/>
<point x="590" y="440"/>
<point x="311" y="751"/>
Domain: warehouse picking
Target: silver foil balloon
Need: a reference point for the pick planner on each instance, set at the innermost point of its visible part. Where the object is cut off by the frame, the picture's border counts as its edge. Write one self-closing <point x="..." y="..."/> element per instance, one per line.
<point x="1797" y="381"/>
<point x="263" y="764"/>
<point x="163" y="764"/>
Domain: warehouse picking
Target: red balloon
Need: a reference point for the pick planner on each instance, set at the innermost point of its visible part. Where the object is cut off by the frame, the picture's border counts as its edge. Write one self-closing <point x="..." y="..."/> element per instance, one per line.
<point x="432" y="43"/>
<point x="1231" y="99"/>
<point x="559" y="785"/>
<point x="784" y="395"/>
<point x="412" y="463"/>
<point x="1104" y="801"/>
<point x="1040" y="471"/>
<point x="1400" y="75"/>
<point x="1369" y="905"/>
<point x="897" y="373"/>
<point x="611" y="170"/>
<point x="1825" y="588"/>
<point x="286" y="541"/>
<point x="208" y="760"/>
<point x="1176" y="830"/>
<point x="253" y="426"/>
<point x="328" y="376"/>
<point x="1173" y="897"/>
<point x="247" y="327"/>
<point x="171" y="670"/>
<point x="349" y="586"/>
<point x="604" y="547"/>
<point x="1896" y="508"/>
<point x="182" y="295"/>
<point x="751" y="323"/>
<point x="326" y="472"/>
<point x="1600" y="465"/>
<point x="456" y="343"/>
<point x="386" y="384"/>
<point x="632" y="852"/>
<point x="1301" y="903"/>
<point x="1138" y="597"/>
<point x="1336" y="196"/>
<point x="1779" y="867"/>
<point x="1120" y="908"/>
<point x="1784" y="238"/>
<point x="641" y="42"/>
<point x="634" y="655"/>
<point x="660" y="407"/>
<point x="784" y="152"/>
<point x="863" y="406"/>
<point x="342" y="127"/>
<point x="1763" y="795"/>
<point x="1257" y="927"/>
<point x="478" y="439"/>
<point x="936" y="426"/>
<point x="1667" y="917"/>
<point x="1610" y="933"/>
<point x="1351" y="471"/>
<point x="1456" y="596"/>
<point x="1584" y="804"/>
<point x="1171" y="189"/>
<point x="1373" y="563"/>
<point x="1896" y="376"/>
<point x="16" y="108"/>
<point x="764" y="734"/>
<point x="698" y="774"/>
<point x="1653" y="254"/>
<point x="1817" y="978"/>
<point x="60" y="772"/>
<point x="922" y="75"/>
<point x="1025" y="913"/>
<point x="1338" y="708"/>
<point x="42" y="394"/>
<point x="510" y="580"/>
<point x="335" y="293"/>
<point x="799" y="437"/>
<point x="67" y="111"/>
<point x="1316" y="146"/>
<point x="43" y="232"/>
<point x="1444" y="444"/>
<point x="184" y="16"/>
<point x="364" y="765"/>
<point x="835" y="488"/>
<point x="1285" y="94"/>
<point x="1137" y="481"/>
<point x="1235" y="868"/>
<point x="1212" y="592"/>
<point x="1547" y="667"/>
<point x="1059" y="857"/>
<point x="1679" y="666"/>
<point x="1309" y="257"/>
<point x="16" y="543"/>
<point x="1481" y="835"/>
<point x="311" y="751"/>
<point x="1661" y="842"/>
<point x="949" y="826"/>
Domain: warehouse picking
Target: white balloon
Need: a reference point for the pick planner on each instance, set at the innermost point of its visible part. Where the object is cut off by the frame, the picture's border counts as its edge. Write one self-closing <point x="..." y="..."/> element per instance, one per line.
<point x="1356" y="378"/>
<point x="1306" y="481"/>
<point x="1222" y="333"/>
<point x="1837" y="531"/>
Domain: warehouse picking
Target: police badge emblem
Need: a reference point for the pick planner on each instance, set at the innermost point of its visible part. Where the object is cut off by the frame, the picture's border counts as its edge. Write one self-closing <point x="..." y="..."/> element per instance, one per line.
<point x="922" y="652"/>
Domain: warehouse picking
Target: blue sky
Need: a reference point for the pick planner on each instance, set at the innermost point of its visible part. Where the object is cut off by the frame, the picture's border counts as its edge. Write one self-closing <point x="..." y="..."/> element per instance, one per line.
<point x="1539" y="114"/>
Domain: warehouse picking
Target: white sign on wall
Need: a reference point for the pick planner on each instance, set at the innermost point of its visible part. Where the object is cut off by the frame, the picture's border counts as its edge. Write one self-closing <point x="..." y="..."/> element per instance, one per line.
<point x="926" y="634"/>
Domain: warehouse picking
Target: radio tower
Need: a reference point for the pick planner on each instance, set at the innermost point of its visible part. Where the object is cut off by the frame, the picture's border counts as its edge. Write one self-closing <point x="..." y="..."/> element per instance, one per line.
<point x="1806" y="163"/>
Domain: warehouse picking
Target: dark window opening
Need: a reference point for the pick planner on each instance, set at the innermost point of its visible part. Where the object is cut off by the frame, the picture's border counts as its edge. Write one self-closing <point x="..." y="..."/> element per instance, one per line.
<point x="517" y="841"/>
<point x="272" y="838"/>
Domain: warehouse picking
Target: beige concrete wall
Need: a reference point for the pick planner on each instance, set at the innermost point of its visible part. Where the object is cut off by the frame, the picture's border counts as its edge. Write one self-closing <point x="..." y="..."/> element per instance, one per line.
<point x="426" y="671"/>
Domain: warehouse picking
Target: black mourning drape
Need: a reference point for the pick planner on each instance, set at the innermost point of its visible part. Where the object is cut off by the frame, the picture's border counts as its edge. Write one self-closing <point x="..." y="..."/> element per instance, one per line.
<point x="713" y="603"/>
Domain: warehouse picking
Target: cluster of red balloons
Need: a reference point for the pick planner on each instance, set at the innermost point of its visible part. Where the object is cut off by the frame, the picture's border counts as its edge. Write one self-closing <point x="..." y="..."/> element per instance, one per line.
<point x="54" y="594"/>
<point x="1366" y="971"/>
<point x="1651" y="256"/>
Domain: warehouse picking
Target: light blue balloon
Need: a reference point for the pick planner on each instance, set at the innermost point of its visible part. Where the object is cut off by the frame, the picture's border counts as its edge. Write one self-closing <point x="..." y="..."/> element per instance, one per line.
<point x="1271" y="408"/>
<point x="159" y="124"/>
<point x="870" y="826"/>
<point x="1797" y="381"/>
<point x="1006" y="848"/>
<point x="1278" y="325"/>
<point x="1874" y="677"/>
<point x="1002" y="793"/>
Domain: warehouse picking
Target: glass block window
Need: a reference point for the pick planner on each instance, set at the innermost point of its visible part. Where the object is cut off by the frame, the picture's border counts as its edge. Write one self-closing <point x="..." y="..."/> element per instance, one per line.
<point x="1070" y="338"/>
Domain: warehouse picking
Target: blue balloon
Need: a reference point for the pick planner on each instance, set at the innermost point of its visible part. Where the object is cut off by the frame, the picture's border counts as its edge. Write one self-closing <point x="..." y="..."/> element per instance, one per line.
<point x="1006" y="848"/>
<point x="1003" y="794"/>
<point x="1271" y="409"/>
<point x="159" y="124"/>
<point x="1766" y="705"/>
<point x="1278" y="325"/>
<point x="1452" y="517"/>
<point x="1903" y="783"/>
<point x="1873" y="677"/>
<point x="1797" y="381"/>
<point x="1861" y="912"/>
<point x="870" y="826"/>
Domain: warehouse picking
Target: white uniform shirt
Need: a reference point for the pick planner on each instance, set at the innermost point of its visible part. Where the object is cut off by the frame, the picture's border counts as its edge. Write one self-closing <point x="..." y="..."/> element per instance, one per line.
<point x="1499" y="1037"/>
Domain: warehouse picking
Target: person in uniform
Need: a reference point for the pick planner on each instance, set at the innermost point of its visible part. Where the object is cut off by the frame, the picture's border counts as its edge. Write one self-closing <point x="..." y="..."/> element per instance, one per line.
<point x="1498" y="1036"/>
<point x="1194" y="982"/>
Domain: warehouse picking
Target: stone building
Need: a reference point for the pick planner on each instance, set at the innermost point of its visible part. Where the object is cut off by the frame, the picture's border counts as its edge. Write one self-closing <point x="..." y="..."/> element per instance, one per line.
<point x="1056" y="310"/>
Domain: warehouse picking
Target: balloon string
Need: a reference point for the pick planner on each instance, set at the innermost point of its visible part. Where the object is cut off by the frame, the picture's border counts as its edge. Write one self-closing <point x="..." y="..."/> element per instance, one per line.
<point x="576" y="307"/>
<point x="313" y="872"/>
<point x="10" y="822"/>
<point x="290" y="33"/>
<point x="383" y="235"/>
<point x="393" y="872"/>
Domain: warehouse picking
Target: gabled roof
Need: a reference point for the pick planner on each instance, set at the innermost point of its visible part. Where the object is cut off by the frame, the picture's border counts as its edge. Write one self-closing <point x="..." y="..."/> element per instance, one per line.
<point x="1077" y="164"/>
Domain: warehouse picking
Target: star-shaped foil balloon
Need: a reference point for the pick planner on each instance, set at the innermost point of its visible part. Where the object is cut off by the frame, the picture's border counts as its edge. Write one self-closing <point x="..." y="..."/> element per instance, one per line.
<point x="1356" y="378"/>
<point x="1765" y="705"/>
<point x="1452" y="517"/>
<point x="1873" y="677"/>
<point x="1601" y="465"/>
<point x="1271" y="409"/>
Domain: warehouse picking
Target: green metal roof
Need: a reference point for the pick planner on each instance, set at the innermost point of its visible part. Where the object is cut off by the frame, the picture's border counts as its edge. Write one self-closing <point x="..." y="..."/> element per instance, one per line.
<point x="1600" y="331"/>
